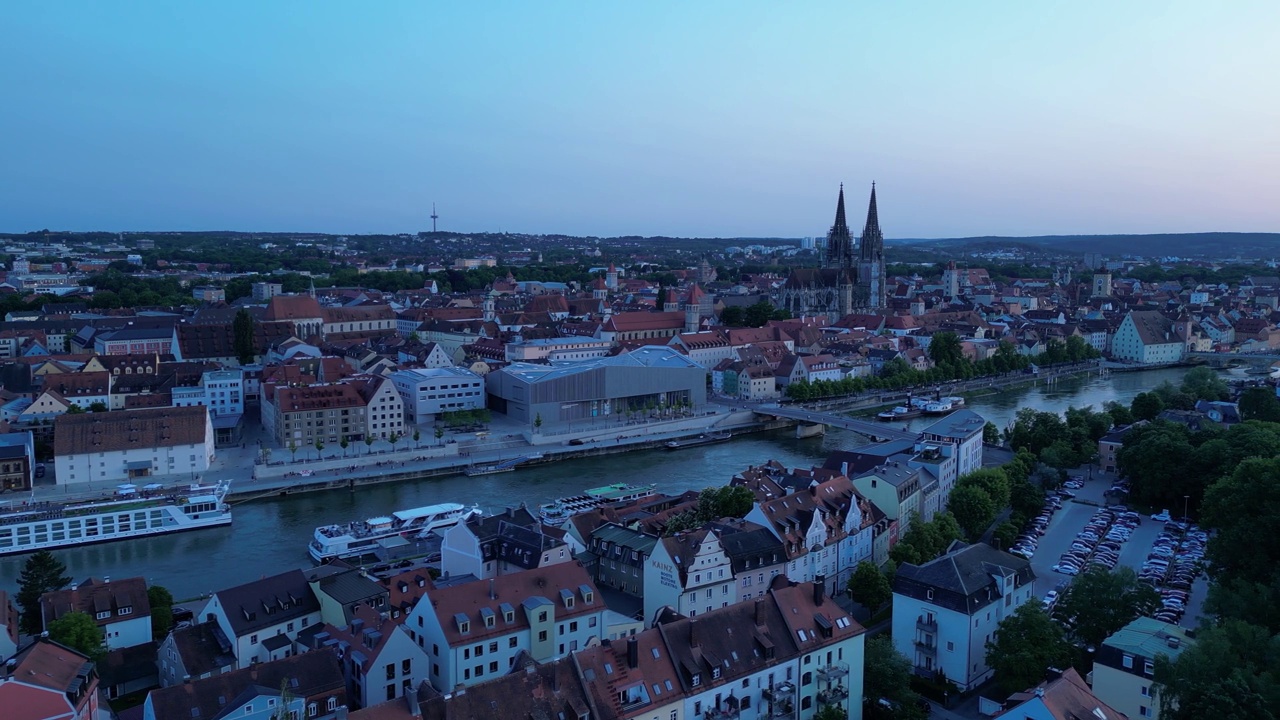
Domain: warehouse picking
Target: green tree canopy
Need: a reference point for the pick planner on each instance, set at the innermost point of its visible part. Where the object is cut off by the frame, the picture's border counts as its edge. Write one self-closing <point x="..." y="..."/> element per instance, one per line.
<point x="1229" y="672"/>
<point x="1146" y="406"/>
<point x="992" y="481"/>
<point x="242" y="334"/>
<point x="1259" y="403"/>
<point x="1204" y="383"/>
<point x="1244" y="509"/>
<point x="1098" y="602"/>
<point x="1026" y="644"/>
<point x="887" y="674"/>
<point x="42" y="572"/>
<point x="80" y="632"/>
<point x="161" y="601"/>
<point x="973" y="509"/>
<point x="869" y="587"/>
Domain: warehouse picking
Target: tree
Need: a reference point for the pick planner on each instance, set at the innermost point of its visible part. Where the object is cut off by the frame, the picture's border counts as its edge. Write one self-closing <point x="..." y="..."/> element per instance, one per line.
<point x="344" y="443"/>
<point x="887" y="674"/>
<point x="42" y="572"/>
<point x="1120" y="415"/>
<point x="393" y="439"/>
<point x="293" y="449"/>
<point x="1026" y="644"/>
<point x="417" y="436"/>
<point x="537" y="421"/>
<point x="242" y="335"/>
<point x="731" y="316"/>
<point x="319" y="448"/>
<point x="1026" y="499"/>
<point x="991" y="434"/>
<point x="439" y="433"/>
<point x="1006" y="534"/>
<point x="1229" y="672"/>
<point x="1259" y="403"/>
<point x="993" y="482"/>
<point x="726" y="501"/>
<point x="1146" y="406"/>
<point x="1204" y="383"/>
<point x="161" y="601"/>
<point x="757" y="315"/>
<point x="368" y="444"/>
<point x="1244" y="509"/>
<point x="946" y="350"/>
<point x="1098" y="602"/>
<point x="98" y="407"/>
<point x="972" y="508"/>
<point x="74" y="409"/>
<point x="79" y="632"/>
<point x="869" y="587"/>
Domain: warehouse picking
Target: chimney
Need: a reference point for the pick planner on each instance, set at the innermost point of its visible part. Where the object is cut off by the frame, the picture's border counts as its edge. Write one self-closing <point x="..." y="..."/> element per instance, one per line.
<point x="819" y="584"/>
<point x="633" y="652"/>
<point x="759" y="612"/>
<point x="693" y="634"/>
<point x="492" y="595"/>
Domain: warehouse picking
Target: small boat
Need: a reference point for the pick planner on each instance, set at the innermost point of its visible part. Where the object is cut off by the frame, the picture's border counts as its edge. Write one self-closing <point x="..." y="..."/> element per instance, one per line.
<point x="706" y="439"/>
<point x="363" y="537"/>
<point x="554" y="513"/>
<point x="901" y="412"/>
<point x="938" y="407"/>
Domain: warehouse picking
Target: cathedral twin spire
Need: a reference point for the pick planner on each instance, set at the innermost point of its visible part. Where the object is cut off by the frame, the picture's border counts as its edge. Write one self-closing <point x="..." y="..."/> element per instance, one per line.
<point x="840" y="240"/>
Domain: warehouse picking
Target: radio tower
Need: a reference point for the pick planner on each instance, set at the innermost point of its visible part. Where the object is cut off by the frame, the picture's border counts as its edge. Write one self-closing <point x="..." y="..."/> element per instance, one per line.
<point x="434" y="217"/>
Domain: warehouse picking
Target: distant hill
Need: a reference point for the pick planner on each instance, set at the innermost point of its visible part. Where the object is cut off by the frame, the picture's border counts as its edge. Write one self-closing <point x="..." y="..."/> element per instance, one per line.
<point x="1211" y="244"/>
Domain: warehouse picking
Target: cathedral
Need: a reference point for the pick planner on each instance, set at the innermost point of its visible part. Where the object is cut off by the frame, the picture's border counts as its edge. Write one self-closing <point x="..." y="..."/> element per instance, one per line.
<point x="848" y="281"/>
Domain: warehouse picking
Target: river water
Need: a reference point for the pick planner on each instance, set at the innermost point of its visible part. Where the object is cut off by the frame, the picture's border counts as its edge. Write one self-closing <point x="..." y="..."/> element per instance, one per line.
<point x="270" y="536"/>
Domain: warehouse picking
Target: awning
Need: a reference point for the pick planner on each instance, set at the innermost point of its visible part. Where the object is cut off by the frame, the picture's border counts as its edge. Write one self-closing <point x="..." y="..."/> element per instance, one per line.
<point x="130" y="487"/>
<point x="152" y="486"/>
<point x="138" y="465"/>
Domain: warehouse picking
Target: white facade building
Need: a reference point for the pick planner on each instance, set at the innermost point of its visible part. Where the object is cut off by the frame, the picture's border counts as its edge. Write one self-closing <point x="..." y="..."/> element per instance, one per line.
<point x="947" y="610"/>
<point x="130" y="444"/>
<point x="1147" y="337"/>
<point x="426" y="393"/>
<point x="963" y="429"/>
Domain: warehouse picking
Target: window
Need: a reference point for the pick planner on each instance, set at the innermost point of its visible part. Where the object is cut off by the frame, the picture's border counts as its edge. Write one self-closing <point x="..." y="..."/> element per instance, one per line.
<point x="950" y="646"/>
<point x="391" y="672"/>
<point x="1146" y="691"/>
<point x="1144" y="711"/>
<point x="312" y="710"/>
<point x="493" y="647"/>
<point x="1149" y="667"/>
<point x="253" y="639"/>
<point x="542" y="636"/>
<point x="1127" y="661"/>
<point x="511" y="642"/>
<point x="331" y="704"/>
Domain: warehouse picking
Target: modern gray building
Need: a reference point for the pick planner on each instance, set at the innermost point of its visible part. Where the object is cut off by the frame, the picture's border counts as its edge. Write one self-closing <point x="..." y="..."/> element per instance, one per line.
<point x="648" y="379"/>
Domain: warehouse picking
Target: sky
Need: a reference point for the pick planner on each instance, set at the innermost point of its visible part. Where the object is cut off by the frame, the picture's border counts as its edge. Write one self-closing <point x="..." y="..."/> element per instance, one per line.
<point x="717" y="119"/>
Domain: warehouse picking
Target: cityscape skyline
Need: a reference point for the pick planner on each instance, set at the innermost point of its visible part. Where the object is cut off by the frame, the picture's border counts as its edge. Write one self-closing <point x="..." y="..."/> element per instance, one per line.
<point x="710" y="121"/>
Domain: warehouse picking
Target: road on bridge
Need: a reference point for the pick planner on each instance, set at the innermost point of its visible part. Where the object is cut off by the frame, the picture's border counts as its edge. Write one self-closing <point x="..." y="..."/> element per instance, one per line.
<point x="874" y="430"/>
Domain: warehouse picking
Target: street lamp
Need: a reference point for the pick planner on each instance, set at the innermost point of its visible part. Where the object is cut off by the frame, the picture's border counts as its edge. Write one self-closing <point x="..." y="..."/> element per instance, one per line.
<point x="1186" y="500"/>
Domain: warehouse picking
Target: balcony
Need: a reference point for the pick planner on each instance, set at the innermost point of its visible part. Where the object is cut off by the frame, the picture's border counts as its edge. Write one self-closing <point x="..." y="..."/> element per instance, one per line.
<point x="834" y="671"/>
<point x="781" y="698"/>
<point x="927" y="647"/>
<point x="721" y="713"/>
<point x="927" y="624"/>
<point x="834" y="695"/>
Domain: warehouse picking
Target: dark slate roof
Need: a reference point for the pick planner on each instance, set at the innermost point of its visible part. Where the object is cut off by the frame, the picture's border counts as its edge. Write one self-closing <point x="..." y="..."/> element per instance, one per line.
<point x="350" y="587"/>
<point x="268" y="601"/>
<point x="311" y="674"/>
<point x="203" y="648"/>
<point x="962" y="579"/>
<point x="749" y="545"/>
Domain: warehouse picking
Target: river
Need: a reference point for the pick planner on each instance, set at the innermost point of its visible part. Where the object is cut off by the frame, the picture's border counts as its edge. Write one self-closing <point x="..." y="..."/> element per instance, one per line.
<point x="270" y="536"/>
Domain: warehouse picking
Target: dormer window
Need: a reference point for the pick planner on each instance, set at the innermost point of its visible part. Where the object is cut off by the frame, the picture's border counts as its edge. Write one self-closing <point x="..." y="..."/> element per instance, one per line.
<point x="566" y="595"/>
<point x="697" y="680"/>
<point x="715" y="673"/>
<point x="588" y="596"/>
<point x="126" y="610"/>
<point x="103" y="615"/>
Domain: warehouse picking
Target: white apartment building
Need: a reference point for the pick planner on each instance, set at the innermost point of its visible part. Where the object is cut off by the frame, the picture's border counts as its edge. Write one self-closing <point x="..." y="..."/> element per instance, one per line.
<point x="689" y="572"/>
<point x="130" y="444"/>
<point x="1124" y="668"/>
<point x="426" y="393"/>
<point x="261" y="619"/>
<point x="963" y="429"/>
<point x="1147" y="337"/>
<point x="947" y="610"/>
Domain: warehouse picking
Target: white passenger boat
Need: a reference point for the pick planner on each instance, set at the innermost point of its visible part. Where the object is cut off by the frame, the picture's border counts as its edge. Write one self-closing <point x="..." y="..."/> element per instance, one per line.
<point x="364" y="537"/>
<point x="28" y="526"/>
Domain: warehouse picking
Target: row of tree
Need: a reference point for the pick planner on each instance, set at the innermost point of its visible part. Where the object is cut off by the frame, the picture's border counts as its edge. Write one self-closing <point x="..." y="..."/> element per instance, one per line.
<point x="949" y="364"/>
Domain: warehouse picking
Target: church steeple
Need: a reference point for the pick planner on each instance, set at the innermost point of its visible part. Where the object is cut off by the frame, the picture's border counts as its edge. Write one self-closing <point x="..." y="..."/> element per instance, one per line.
<point x="839" y="239"/>
<point x="872" y="244"/>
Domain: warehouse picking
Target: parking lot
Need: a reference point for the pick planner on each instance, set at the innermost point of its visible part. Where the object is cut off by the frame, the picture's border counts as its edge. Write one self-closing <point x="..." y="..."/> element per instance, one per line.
<point x="1073" y="516"/>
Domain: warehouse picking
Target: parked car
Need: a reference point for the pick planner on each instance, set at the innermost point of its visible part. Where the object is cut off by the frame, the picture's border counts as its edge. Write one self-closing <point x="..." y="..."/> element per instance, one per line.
<point x="1162" y="516"/>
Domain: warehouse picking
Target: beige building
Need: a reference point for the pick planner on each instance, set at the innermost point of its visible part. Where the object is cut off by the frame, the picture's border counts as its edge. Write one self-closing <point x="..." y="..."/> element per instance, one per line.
<point x="1124" y="670"/>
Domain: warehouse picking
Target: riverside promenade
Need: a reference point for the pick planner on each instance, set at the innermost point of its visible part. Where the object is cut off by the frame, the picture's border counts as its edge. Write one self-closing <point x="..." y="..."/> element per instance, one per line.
<point x="359" y="465"/>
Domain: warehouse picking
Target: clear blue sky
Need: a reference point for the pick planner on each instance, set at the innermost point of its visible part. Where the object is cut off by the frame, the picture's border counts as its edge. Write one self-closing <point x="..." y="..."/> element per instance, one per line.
<point x="704" y="118"/>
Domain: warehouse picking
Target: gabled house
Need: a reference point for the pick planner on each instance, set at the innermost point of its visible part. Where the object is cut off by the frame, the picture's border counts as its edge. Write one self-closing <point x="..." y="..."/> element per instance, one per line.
<point x="47" y="680"/>
<point x="308" y="686"/>
<point x="195" y="652"/>
<point x="262" y="618"/>
<point x="120" y="608"/>
<point x="509" y="542"/>
<point x="690" y="573"/>
<point x="379" y="660"/>
<point x="475" y="631"/>
<point x="946" y="610"/>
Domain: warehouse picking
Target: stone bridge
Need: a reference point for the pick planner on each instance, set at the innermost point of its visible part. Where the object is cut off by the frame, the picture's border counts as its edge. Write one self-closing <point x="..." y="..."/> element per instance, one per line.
<point x="1256" y="361"/>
